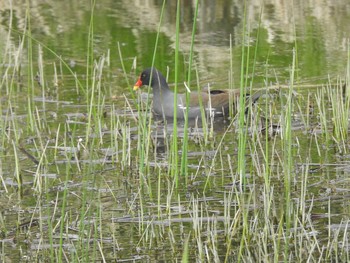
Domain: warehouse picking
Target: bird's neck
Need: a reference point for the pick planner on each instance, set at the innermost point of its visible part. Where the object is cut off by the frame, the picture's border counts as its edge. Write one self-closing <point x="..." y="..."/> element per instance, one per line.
<point x="161" y="88"/>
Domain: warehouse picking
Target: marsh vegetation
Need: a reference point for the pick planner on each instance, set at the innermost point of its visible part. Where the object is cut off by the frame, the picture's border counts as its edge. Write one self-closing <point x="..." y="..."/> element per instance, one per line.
<point x="88" y="174"/>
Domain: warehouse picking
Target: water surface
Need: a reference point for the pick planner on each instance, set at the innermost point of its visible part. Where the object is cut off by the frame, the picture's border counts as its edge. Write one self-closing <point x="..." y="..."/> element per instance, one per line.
<point x="129" y="211"/>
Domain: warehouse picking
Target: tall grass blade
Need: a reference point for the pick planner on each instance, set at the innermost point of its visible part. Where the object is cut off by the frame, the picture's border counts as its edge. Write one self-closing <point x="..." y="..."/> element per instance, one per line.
<point x="174" y="147"/>
<point x="185" y="138"/>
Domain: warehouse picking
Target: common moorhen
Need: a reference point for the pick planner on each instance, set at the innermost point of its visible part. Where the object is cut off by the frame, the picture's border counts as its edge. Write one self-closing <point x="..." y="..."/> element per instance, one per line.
<point x="215" y="102"/>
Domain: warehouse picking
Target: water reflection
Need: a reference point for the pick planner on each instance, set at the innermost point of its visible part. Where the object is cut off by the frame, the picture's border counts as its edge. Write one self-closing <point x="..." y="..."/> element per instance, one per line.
<point x="197" y="130"/>
<point x="63" y="26"/>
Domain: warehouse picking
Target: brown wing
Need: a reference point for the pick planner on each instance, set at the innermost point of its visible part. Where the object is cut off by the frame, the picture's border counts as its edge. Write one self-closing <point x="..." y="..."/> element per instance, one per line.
<point x="216" y="99"/>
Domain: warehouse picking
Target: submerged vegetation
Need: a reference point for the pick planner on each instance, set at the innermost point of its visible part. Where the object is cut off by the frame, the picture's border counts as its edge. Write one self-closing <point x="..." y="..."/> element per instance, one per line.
<point x="89" y="175"/>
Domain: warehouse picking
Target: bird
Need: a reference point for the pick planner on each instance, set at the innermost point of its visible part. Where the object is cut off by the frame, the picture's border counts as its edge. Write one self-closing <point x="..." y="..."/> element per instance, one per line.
<point x="214" y="102"/>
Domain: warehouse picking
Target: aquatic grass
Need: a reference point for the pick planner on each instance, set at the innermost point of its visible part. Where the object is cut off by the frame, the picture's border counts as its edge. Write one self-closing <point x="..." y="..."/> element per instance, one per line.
<point x="322" y="112"/>
<point x="243" y="200"/>
<point x="41" y="79"/>
<point x="332" y="105"/>
<point x="11" y="83"/>
<point x="3" y="183"/>
<point x="62" y="219"/>
<point x="38" y="180"/>
<point x="144" y="124"/>
<point x="242" y="133"/>
<point x="17" y="173"/>
<point x="174" y="145"/>
<point x="83" y="148"/>
<point x="309" y="111"/>
<point x="204" y="119"/>
<point x="251" y="227"/>
<point x="247" y="68"/>
<point x="186" y="252"/>
<point x="339" y="117"/>
<point x="143" y="135"/>
<point x="31" y="76"/>
<point x="96" y="104"/>
<point x="39" y="125"/>
<point x="90" y="50"/>
<point x="288" y="156"/>
<point x="114" y="134"/>
<point x="340" y="106"/>
<point x="125" y="148"/>
<point x="27" y="35"/>
<point x="184" y="163"/>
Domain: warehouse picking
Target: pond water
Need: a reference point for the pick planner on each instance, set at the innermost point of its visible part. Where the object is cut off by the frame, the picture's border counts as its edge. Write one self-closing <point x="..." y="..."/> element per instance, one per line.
<point x="85" y="177"/>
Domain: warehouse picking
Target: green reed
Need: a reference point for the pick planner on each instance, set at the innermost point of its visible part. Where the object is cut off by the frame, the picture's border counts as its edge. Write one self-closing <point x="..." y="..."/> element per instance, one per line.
<point x="144" y="140"/>
<point x="243" y="200"/>
<point x="174" y="145"/>
<point x="242" y="133"/>
<point x="339" y="116"/>
<point x="288" y="156"/>
<point x="184" y="163"/>
<point x="31" y="73"/>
